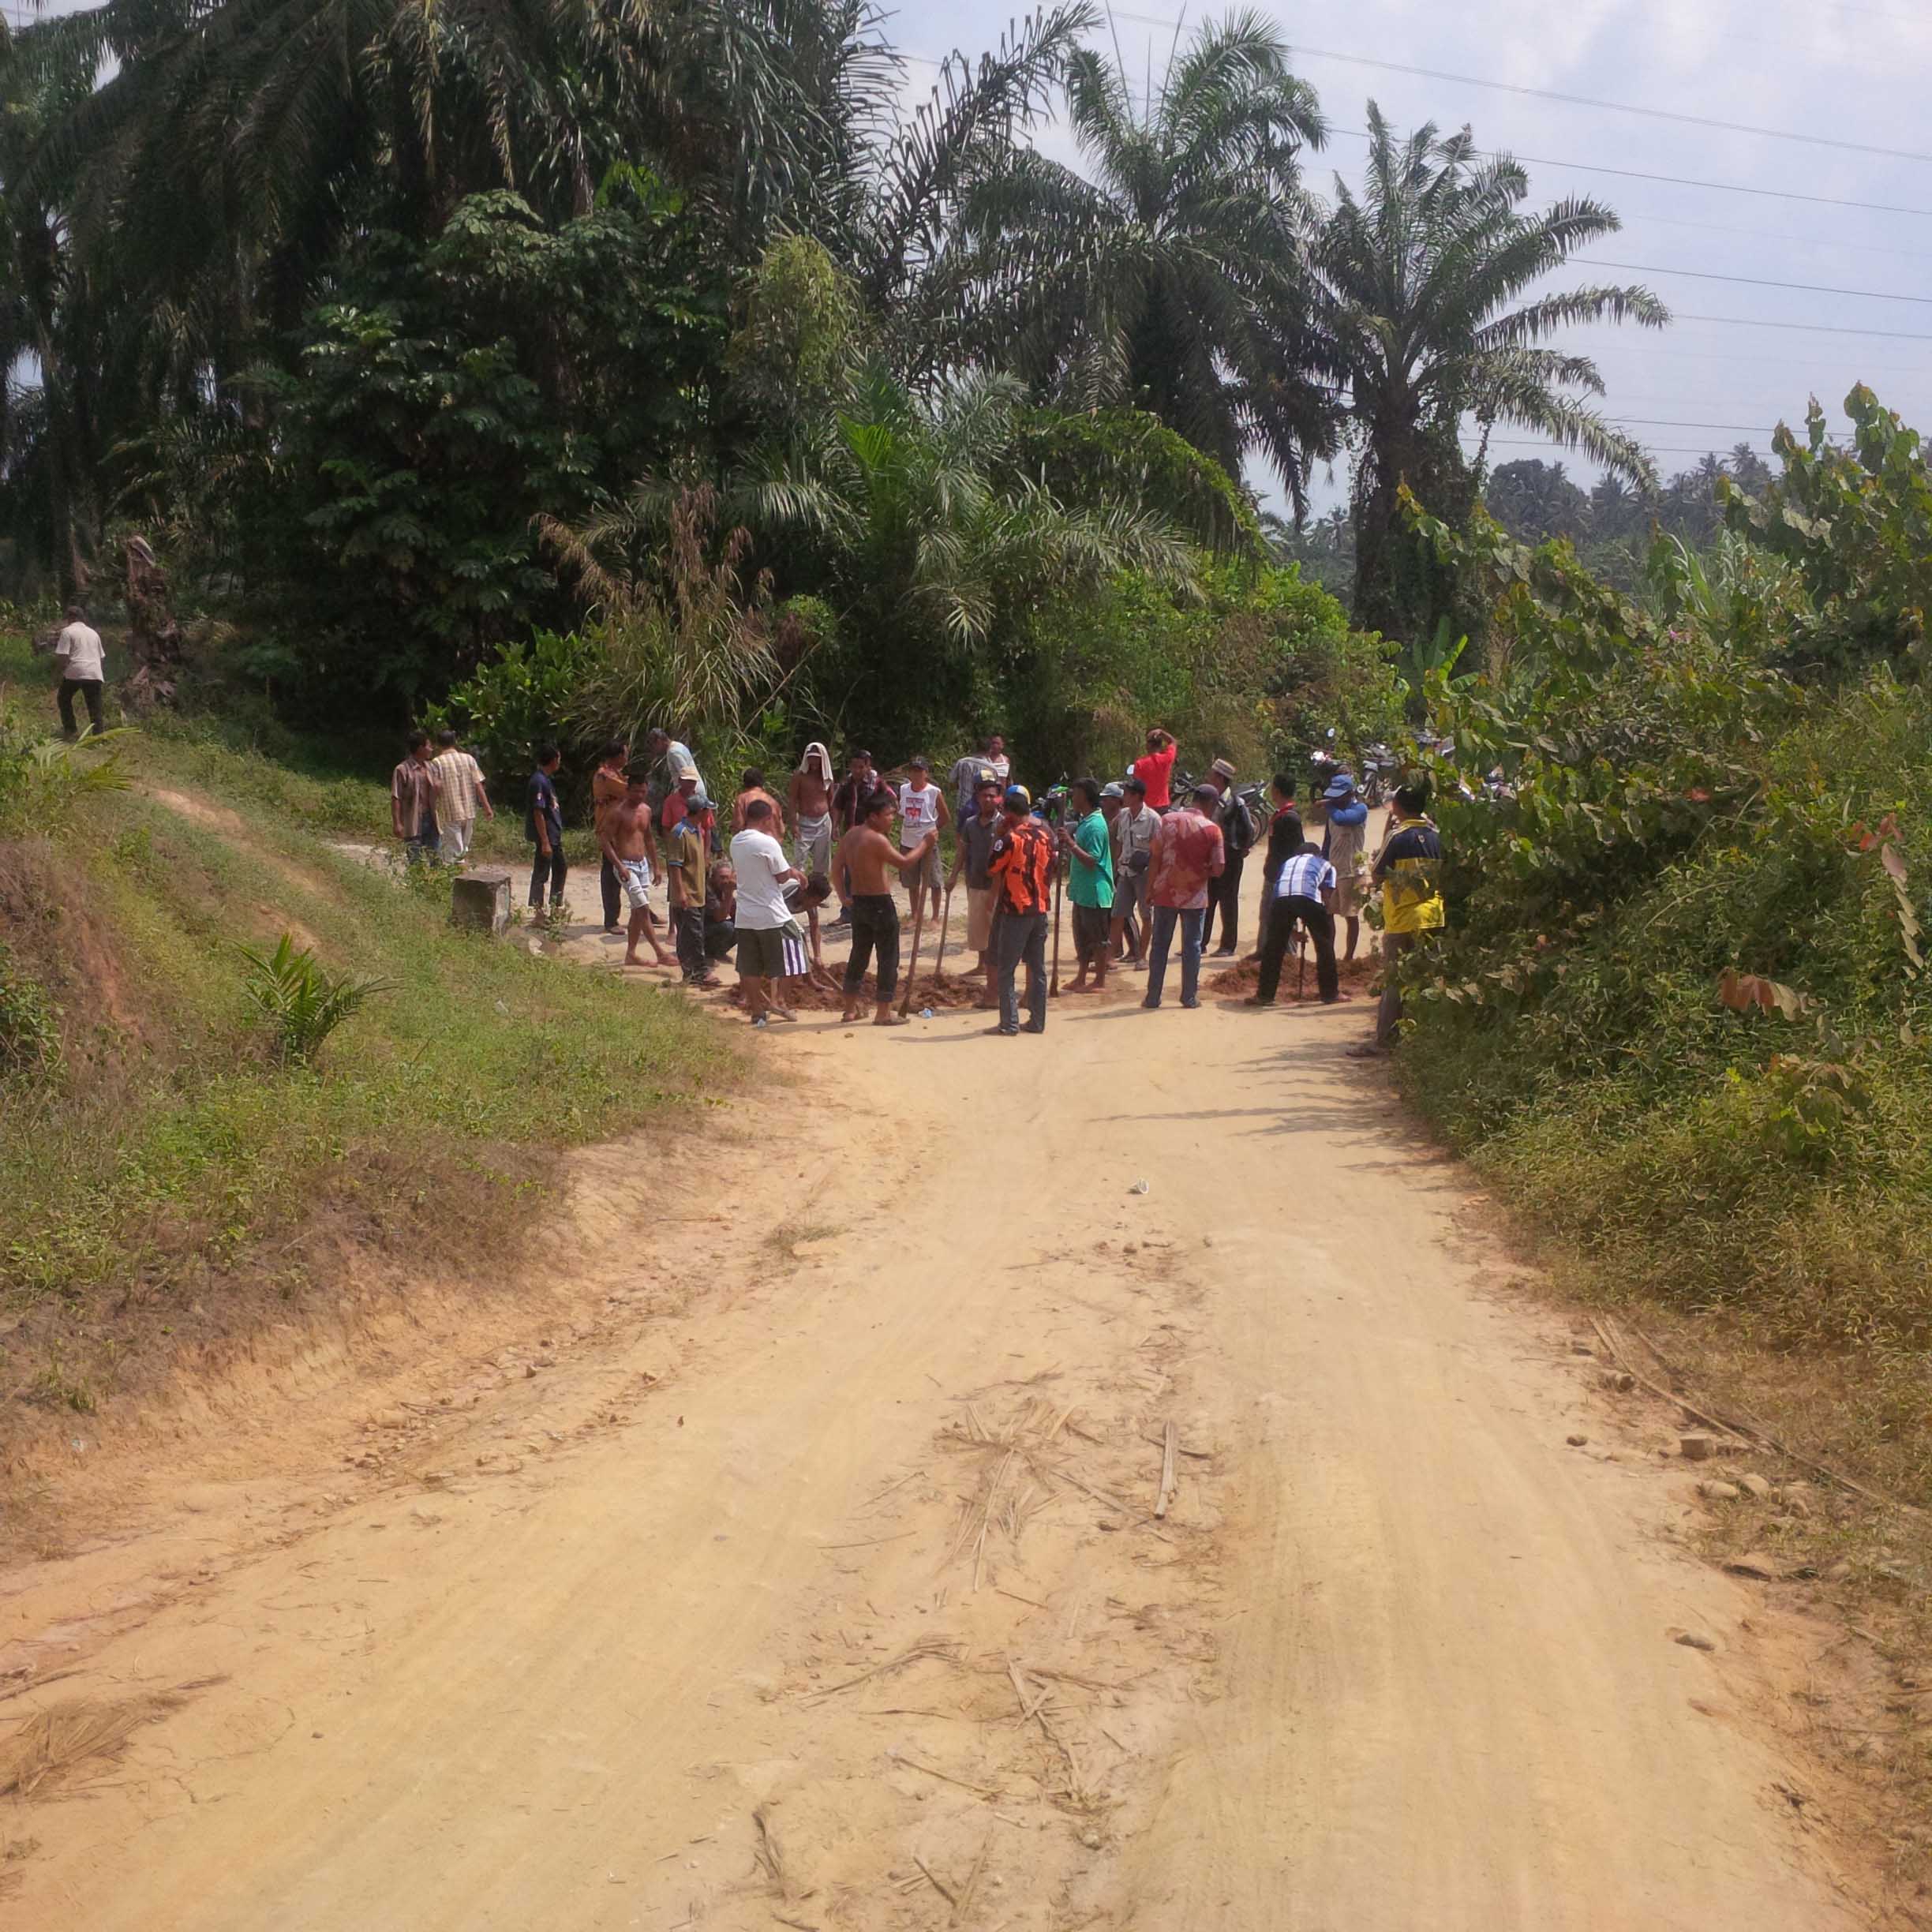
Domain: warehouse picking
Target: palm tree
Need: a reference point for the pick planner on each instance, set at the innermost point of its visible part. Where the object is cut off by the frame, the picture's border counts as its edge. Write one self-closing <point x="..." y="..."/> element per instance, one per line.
<point x="1170" y="273"/>
<point x="1422" y="281"/>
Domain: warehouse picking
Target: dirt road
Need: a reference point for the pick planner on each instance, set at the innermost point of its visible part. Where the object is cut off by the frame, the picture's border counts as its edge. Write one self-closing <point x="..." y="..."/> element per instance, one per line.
<point x="820" y="1583"/>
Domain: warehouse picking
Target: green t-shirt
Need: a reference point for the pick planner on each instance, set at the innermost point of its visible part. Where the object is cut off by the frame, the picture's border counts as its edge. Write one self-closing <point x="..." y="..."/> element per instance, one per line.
<point x="1092" y="884"/>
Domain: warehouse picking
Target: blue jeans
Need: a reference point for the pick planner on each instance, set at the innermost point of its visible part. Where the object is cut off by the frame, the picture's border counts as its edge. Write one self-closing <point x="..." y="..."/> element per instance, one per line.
<point x="1191" y="919"/>
<point x="425" y="848"/>
<point x="1022" y="936"/>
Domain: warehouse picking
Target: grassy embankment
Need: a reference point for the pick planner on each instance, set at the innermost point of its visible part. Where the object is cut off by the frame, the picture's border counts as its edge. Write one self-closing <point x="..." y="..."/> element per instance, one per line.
<point x="167" y="1181"/>
<point x="1752" y="1188"/>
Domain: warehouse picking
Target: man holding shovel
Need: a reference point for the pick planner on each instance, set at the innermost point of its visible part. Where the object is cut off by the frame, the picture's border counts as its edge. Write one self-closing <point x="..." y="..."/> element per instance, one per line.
<point x="860" y="861"/>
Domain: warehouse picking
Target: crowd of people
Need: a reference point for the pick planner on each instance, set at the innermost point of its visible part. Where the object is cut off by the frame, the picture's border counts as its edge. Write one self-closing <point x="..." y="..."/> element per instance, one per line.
<point x="1144" y="861"/>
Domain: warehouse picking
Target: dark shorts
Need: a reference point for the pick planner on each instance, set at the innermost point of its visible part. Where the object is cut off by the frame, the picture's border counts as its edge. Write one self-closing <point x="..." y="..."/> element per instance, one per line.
<point x="1093" y="926"/>
<point x="761" y="953"/>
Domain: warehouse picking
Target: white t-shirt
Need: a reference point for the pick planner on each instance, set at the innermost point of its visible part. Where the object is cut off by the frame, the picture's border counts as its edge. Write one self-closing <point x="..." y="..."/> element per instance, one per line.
<point x="80" y="645"/>
<point x="757" y="858"/>
<point x="919" y="813"/>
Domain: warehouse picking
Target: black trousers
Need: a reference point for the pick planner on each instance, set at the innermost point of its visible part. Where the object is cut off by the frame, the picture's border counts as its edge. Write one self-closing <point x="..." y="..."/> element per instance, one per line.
<point x="90" y="689"/>
<point x="613" y="889"/>
<point x="875" y="929"/>
<point x="1283" y="915"/>
<point x="1224" y="897"/>
<point x="687" y="935"/>
<point x="549" y="865"/>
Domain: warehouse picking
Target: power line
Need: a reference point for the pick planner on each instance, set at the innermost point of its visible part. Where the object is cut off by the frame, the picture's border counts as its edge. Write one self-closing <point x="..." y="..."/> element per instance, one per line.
<point x="1678" y="181"/>
<point x="1589" y="100"/>
<point x="1641" y="217"/>
<point x="1711" y="274"/>
<point x="1671" y="422"/>
<point x="1815" y="328"/>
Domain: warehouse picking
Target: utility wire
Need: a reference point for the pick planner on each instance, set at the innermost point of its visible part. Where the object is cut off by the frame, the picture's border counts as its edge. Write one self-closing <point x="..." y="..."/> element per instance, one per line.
<point x="1711" y="274"/>
<point x="1588" y="100"/>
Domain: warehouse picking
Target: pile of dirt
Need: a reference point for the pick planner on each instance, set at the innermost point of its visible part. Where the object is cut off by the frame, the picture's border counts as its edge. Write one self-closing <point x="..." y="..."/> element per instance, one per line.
<point x="1356" y="976"/>
<point x="943" y="992"/>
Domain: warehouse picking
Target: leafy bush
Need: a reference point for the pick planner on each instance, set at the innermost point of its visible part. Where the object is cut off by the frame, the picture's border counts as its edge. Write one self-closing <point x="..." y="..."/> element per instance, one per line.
<point x="304" y="1002"/>
<point x="522" y="695"/>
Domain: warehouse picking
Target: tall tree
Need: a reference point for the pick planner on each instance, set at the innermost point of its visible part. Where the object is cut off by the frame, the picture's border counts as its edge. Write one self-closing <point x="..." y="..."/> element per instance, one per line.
<point x="1170" y="271"/>
<point x="1423" y="281"/>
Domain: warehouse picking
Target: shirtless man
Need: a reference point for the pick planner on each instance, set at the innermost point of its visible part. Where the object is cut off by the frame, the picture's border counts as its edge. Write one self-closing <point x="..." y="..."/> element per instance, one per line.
<point x="863" y="854"/>
<point x="810" y="796"/>
<point x="625" y="835"/>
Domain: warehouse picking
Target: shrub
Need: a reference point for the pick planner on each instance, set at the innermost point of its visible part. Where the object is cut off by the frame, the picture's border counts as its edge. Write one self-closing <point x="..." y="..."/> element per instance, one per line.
<point x="304" y="1003"/>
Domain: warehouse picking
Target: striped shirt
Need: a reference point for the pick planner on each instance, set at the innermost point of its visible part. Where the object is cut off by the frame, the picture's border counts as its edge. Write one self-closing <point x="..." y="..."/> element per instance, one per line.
<point x="1305" y="876"/>
<point x="456" y="778"/>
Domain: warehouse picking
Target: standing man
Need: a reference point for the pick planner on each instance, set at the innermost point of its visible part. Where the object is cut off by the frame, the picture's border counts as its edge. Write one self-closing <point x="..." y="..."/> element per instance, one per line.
<point x="543" y="825"/>
<point x="685" y="860"/>
<point x="809" y="794"/>
<point x="1154" y="768"/>
<point x="1409" y="870"/>
<point x="762" y="869"/>
<point x="668" y="760"/>
<point x="1131" y="874"/>
<point x="624" y="838"/>
<point x="1237" y="837"/>
<point x="459" y="792"/>
<point x="1345" y="816"/>
<point x="996" y="757"/>
<point x="972" y="855"/>
<point x="1285" y="840"/>
<point x="850" y="801"/>
<point x="608" y="785"/>
<point x="1021" y="868"/>
<point x="751" y="785"/>
<point x="1187" y="854"/>
<point x="1304" y="893"/>
<point x="923" y="809"/>
<point x="965" y="778"/>
<point x="413" y="800"/>
<point x="79" y="664"/>
<point x="1114" y="809"/>
<point x="863" y="856"/>
<point x="1090" y="885"/>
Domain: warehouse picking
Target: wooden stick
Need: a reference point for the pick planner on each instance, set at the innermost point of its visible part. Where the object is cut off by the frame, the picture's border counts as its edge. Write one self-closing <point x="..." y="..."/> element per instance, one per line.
<point x="1053" y="985"/>
<point x="918" y="915"/>
<point x="1169" y="1439"/>
<point x="945" y="1890"/>
<point x="939" y="959"/>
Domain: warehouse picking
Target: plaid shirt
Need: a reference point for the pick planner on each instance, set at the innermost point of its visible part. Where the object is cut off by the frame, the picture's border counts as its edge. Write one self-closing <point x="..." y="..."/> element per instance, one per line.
<point x="456" y="778"/>
<point x="1305" y="876"/>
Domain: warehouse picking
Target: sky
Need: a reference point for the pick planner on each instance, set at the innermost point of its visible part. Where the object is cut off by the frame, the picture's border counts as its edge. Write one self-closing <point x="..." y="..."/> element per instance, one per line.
<point x="1848" y="76"/>
<point x="1831" y="70"/>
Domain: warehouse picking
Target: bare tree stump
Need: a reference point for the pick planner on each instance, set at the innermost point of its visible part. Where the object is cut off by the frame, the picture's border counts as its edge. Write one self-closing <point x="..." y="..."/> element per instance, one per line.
<point x="154" y="640"/>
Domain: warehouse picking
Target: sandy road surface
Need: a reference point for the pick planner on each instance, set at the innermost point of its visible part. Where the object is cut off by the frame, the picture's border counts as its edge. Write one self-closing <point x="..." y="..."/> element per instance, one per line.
<point x="820" y="1584"/>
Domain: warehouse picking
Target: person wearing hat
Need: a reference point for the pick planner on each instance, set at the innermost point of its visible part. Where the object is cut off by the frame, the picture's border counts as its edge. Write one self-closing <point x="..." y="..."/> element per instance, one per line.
<point x="1021" y="869"/>
<point x="923" y="809"/>
<point x="1237" y="837"/>
<point x="972" y="853"/>
<point x="1345" y="815"/>
<point x="1138" y="822"/>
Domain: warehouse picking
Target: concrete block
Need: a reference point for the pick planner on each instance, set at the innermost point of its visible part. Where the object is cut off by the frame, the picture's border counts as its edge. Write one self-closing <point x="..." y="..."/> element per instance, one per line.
<point x="480" y="901"/>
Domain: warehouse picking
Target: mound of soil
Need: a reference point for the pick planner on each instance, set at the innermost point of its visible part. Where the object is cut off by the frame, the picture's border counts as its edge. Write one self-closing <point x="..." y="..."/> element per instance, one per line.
<point x="1356" y="976"/>
<point x="943" y="992"/>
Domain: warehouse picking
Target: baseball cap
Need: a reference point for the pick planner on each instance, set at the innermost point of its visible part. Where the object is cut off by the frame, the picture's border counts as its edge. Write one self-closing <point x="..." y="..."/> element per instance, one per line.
<point x="1018" y="799"/>
<point x="1112" y="791"/>
<point x="1339" y="786"/>
<point x="1136" y="784"/>
<point x="918" y="764"/>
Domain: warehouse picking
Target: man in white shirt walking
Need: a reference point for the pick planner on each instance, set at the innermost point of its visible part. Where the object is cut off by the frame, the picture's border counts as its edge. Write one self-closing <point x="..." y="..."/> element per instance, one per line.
<point x="81" y="663"/>
<point x="460" y="790"/>
<point x="763" y="917"/>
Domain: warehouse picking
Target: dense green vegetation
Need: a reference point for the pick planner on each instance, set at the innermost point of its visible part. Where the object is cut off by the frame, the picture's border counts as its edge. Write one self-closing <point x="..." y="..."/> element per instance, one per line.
<point x="1682" y="1009"/>
<point x="409" y="339"/>
<point x="174" y="1175"/>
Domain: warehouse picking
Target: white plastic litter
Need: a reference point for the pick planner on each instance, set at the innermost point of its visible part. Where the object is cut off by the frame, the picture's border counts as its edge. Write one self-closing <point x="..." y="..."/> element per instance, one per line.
<point x="1140" y="1187"/>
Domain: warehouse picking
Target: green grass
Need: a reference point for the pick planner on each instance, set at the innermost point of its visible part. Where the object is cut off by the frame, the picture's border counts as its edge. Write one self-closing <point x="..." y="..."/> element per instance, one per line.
<point x="171" y="1180"/>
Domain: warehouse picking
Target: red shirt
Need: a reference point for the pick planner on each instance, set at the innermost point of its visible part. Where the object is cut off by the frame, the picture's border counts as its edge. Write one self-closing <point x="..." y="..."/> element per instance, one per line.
<point x="1188" y="852"/>
<point x="1155" y="769"/>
